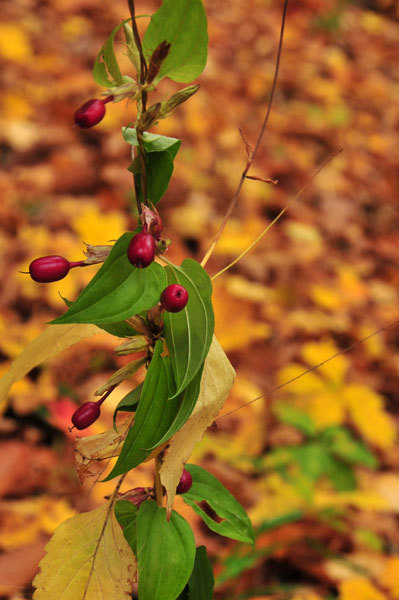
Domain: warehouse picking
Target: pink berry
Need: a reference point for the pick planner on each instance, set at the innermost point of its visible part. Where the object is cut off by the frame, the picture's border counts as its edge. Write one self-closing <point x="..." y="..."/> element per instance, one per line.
<point x="49" y="268"/>
<point x="185" y="483"/>
<point x="91" y="113"/>
<point x="141" y="250"/>
<point x="85" y="415"/>
<point x="174" y="298"/>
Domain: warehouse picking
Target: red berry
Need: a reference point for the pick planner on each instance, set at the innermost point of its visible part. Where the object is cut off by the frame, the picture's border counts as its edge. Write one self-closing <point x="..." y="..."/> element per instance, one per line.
<point x="185" y="483"/>
<point x="141" y="250"/>
<point x="91" y="113"/>
<point x="49" y="268"/>
<point x="174" y="298"/>
<point x="85" y="415"/>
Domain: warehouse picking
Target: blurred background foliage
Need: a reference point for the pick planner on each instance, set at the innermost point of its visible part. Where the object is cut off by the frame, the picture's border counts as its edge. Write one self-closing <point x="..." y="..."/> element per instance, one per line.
<point x="316" y="462"/>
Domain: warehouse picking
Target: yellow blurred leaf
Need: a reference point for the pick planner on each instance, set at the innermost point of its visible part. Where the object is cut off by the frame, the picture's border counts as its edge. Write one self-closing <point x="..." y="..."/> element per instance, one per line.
<point x="217" y="380"/>
<point x="390" y="576"/>
<point x="359" y="589"/>
<point x="315" y="353"/>
<point x="87" y="557"/>
<point x="95" y="226"/>
<point x="14" y="43"/>
<point x="326" y="297"/>
<point x="366" y="409"/>
<point x="51" y="342"/>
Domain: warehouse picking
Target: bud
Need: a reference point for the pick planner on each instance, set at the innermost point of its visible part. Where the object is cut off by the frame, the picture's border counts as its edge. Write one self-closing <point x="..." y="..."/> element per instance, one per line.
<point x="156" y="60"/>
<point x="151" y="222"/>
<point x="150" y="116"/>
<point x="138" y="343"/>
<point x="132" y="52"/>
<point x="96" y="254"/>
<point x="120" y="375"/>
<point x="130" y="89"/>
<point x="177" y="99"/>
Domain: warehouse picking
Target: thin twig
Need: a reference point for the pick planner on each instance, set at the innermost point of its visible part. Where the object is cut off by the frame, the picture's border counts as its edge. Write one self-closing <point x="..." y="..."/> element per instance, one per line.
<point x="252" y="156"/>
<point x="260" y="236"/>
<point x="157" y="481"/>
<point x="314" y="368"/>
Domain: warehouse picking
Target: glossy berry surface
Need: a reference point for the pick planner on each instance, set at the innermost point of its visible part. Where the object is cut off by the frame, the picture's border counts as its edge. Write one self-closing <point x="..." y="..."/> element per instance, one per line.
<point x="85" y="415"/>
<point x="49" y="268"/>
<point x="174" y="298"/>
<point x="89" y="114"/>
<point x="185" y="483"/>
<point x="141" y="250"/>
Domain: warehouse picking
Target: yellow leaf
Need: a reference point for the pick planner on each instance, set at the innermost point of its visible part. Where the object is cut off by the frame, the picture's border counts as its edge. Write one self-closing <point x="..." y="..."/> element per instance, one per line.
<point x="390" y="576"/>
<point x="315" y="353"/>
<point x="94" y="226"/>
<point x="14" y="44"/>
<point x="217" y="380"/>
<point x="96" y="448"/>
<point x="51" y="342"/>
<point x="359" y="589"/>
<point x="366" y="409"/>
<point x="326" y="297"/>
<point x="87" y="558"/>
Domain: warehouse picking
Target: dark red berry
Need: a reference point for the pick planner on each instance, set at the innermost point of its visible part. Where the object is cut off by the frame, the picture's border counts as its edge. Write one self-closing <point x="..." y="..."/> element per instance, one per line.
<point x="174" y="298"/>
<point x="91" y="113"/>
<point x="49" y="268"/>
<point x="141" y="250"/>
<point x="185" y="483"/>
<point x="85" y="415"/>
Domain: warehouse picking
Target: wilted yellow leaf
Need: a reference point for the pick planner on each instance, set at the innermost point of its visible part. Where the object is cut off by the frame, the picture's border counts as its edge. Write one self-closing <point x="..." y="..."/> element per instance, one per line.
<point x="359" y="589"/>
<point x="51" y="342"/>
<point x="96" y="448"/>
<point x="217" y="380"/>
<point x="87" y="558"/>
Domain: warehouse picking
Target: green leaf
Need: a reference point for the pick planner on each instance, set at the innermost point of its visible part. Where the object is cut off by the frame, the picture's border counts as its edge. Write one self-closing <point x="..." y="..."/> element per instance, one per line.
<point x="343" y="445"/>
<point x="235" y="523"/>
<point x="187" y="401"/>
<point x="201" y="582"/>
<point x="121" y="329"/>
<point x="189" y="332"/>
<point x="296" y="418"/>
<point x="182" y="23"/>
<point x="126" y="513"/>
<point x="118" y="290"/>
<point x="110" y="64"/>
<point x="154" y="414"/>
<point x="152" y="142"/>
<point x="129" y="402"/>
<point x="159" y="169"/>
<point x="341" y="476"/>
<point x="165" y="553"/>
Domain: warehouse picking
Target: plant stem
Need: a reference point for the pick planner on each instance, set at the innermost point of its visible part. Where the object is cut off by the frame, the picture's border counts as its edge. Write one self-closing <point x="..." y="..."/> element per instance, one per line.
<point x="157" y="481"/>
